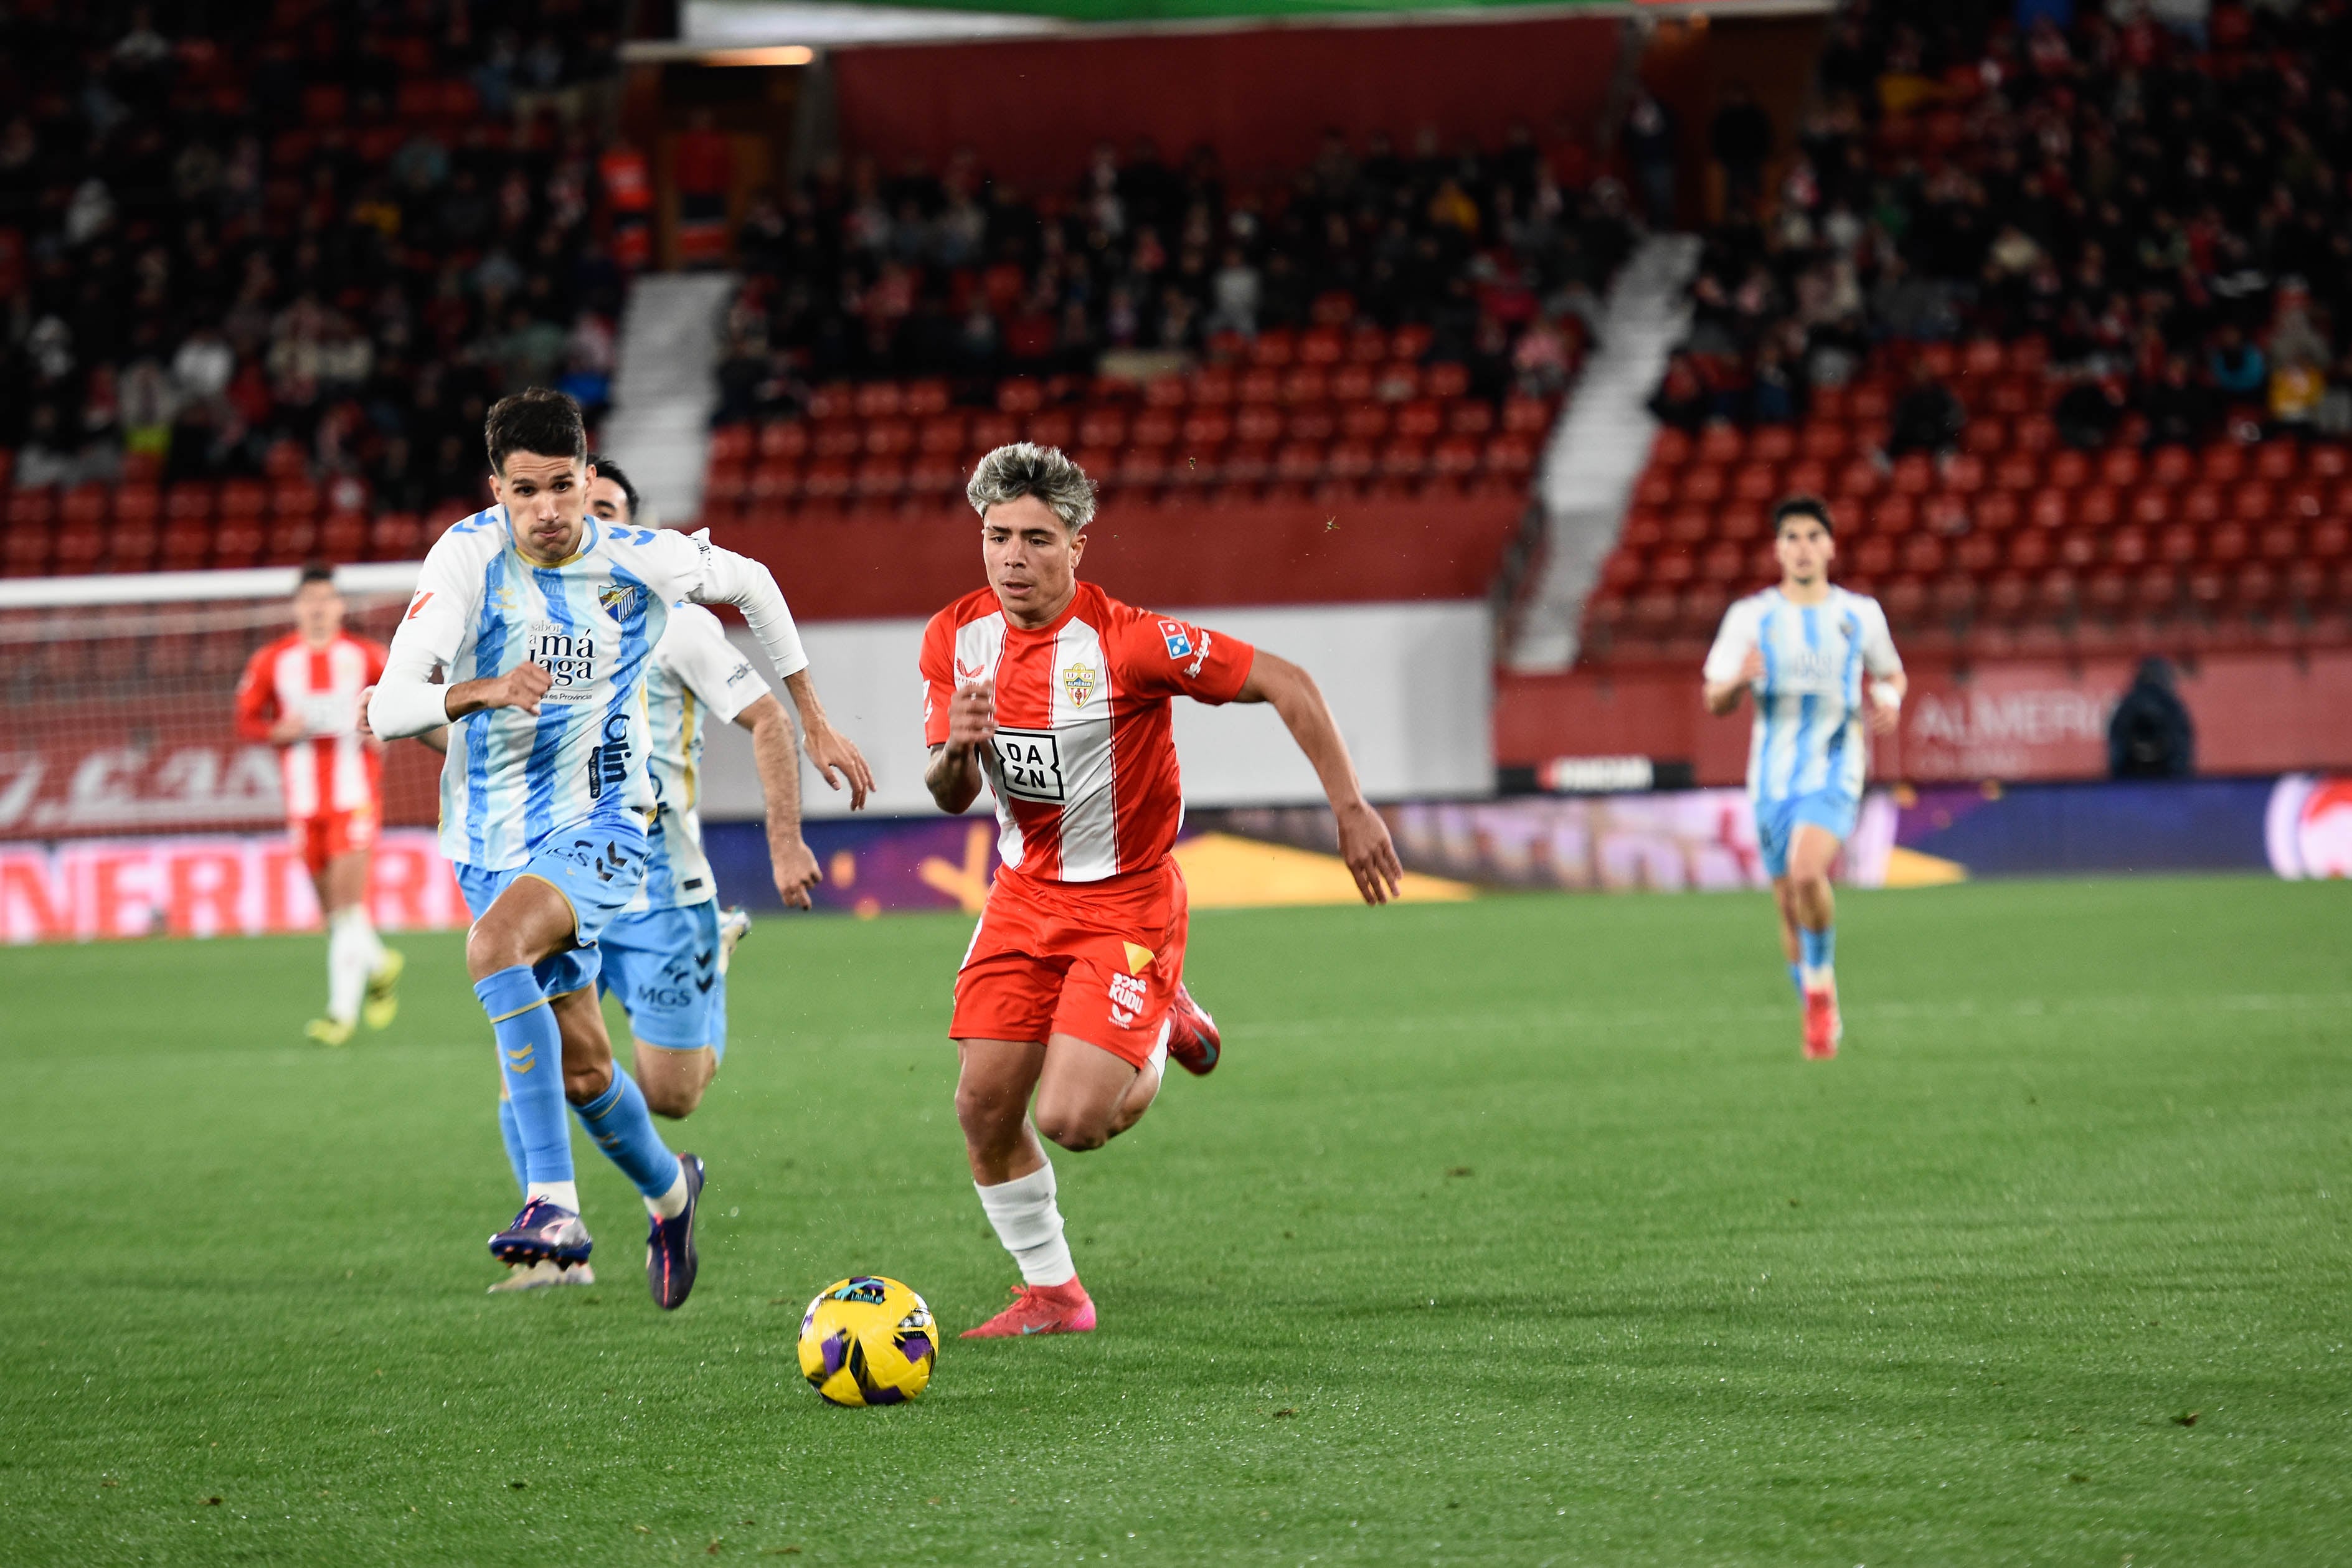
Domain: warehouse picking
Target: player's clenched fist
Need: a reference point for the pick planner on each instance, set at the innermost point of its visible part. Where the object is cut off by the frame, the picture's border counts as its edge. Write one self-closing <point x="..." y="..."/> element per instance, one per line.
<point x="522" y="687"/>
<point x="972" y="715"/>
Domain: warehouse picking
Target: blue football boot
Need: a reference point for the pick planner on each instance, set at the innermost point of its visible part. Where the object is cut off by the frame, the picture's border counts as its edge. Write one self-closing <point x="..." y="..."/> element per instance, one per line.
<point x="543" y="1232"/>
<point x="669" y="1244"/>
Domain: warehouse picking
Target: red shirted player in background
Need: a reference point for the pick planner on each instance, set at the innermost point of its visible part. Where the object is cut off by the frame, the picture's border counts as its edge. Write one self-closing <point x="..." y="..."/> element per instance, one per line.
<point x="1072" y="989"/>
<point x="301" y="694"/>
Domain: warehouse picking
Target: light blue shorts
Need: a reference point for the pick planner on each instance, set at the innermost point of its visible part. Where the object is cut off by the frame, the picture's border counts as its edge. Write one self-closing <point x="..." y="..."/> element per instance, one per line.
<point x="1777" y="821"/>
<point x="597" y="865"/>
<point x="663" y="966"/>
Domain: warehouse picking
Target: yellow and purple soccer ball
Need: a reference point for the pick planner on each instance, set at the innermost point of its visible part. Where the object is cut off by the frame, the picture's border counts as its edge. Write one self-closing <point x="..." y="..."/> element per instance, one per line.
<point x="868" y="1341"/>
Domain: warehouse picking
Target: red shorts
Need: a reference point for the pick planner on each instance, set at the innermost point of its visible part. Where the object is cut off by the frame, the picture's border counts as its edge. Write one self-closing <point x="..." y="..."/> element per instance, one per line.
<point x="320" y="839"/>
<point x="1099" y="961"/>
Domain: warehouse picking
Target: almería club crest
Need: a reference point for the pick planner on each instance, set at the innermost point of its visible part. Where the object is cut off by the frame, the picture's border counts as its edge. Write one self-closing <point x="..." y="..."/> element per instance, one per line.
<point x="1078" y="680"/>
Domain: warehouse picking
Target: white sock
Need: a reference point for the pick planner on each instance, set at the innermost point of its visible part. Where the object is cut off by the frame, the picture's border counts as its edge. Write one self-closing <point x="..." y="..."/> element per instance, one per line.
<point x="562" y="1195"/>
<point x="1158" y="1063"/>
<point x="351" y="951"/>
<point x="1821" y="977"/>
<point x="1029" y="1225"/>
<point x="671" y="1204"/>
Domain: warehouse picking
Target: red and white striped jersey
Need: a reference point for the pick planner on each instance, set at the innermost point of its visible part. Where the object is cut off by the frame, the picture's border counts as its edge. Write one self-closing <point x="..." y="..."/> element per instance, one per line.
<point x="330" y="768"/>
<point x="1084" y="764"/>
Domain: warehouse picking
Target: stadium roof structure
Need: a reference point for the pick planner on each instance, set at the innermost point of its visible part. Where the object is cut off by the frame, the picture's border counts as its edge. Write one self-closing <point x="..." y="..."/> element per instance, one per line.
<point x="786" y="32"/>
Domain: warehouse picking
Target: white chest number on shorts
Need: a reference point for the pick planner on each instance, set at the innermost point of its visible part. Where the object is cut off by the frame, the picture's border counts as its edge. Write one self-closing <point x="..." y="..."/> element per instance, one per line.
<point x="1029" y="765"/>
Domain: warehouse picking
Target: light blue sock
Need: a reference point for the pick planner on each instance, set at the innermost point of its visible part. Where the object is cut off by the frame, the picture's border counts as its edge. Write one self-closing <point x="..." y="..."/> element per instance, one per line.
<point x="719" y="1021"/>
<point x="510" y="1135"/>
<point x="1796" y="979"/>
<point x="622" y="1128"/>
<point x="531" y="1055"/>
<point x="1818" y="946"/>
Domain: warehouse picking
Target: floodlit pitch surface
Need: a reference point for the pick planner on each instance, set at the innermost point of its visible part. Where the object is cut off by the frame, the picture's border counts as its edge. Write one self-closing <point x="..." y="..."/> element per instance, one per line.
<point x="1510" y="1232"/>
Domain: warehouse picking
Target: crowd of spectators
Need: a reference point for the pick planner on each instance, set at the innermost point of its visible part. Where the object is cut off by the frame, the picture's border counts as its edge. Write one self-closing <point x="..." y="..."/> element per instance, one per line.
<point x="301" y="238"/>
<point x="2165" y="206"/>
<point x="858" y="273"/>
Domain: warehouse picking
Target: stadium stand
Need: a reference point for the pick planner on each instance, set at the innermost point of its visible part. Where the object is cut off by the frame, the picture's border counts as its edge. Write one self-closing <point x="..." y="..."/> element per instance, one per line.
<point x="266" y="266"/>
<point x="1386" y="327"/>
<point x="2057" y="319"/>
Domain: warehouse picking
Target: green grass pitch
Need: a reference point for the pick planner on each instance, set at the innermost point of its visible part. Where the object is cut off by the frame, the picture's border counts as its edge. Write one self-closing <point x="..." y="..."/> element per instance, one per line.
<point x="1510" y="1232"/>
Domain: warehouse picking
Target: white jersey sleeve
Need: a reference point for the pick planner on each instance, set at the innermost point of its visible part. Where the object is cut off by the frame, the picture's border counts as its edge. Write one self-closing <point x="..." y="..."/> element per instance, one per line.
<point x="697" y="570"/>
<point x="1733" y="641"/>
<point x="448" y="596"/>
<point x="694" y="650"/>
<point x="1878" y="654"/>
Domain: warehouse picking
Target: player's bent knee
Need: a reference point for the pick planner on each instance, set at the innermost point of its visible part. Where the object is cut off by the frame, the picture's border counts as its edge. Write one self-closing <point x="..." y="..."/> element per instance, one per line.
<point x="586" y="1081"/>
<point x="1076" y="1133"/>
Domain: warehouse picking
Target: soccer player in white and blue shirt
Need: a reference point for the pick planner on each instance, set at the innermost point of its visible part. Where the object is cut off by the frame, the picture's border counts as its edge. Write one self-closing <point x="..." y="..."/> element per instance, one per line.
<point x="545" y="621"/>
<point x="665" y="956"/>
<point x="1821" y="663"/>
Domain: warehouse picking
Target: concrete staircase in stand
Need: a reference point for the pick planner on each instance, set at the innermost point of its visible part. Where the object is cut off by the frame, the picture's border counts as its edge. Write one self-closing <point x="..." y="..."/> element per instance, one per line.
<point x="666" y="387"/>
<point x="1599" y="447"/>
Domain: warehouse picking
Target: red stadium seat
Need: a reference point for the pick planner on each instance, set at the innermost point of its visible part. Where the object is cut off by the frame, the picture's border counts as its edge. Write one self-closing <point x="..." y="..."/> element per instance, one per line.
<point x="1048" y="427"/>
<point x="2120" y="466"/>
<point x="1419" y="420"/>
<point x="1309" y="422"/>
<point x="888" y="438"/>
<point x="878" y="400"/>
<point x="1823" y="442"/>
<point x="1206" y="430"/>
<point x="1702" y="485"/>
<point x="925" y="399"/>
<point x="1102" y="428"/>
<point x="2200" y="504"/>
<point x="1672" y="448"/>
<point x="2097" y="507"/>
<point x="1720" y="443"/>
<point x="1690" y="524"/>
<point x="1528" y="416"/>
<point x="2223" y="463"/>
<point x="394" y="536"/>
<point x="1469" y="416"/>
<point x="2276" y="461"/>
<point x="1757" y="482"/>
<point x="1274" y="348"/>
<point x="1307" y="383"/>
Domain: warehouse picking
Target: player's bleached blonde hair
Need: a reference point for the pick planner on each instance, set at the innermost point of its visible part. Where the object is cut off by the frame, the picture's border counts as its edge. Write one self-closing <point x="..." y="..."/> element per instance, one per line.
<point x="1025" y="468"/>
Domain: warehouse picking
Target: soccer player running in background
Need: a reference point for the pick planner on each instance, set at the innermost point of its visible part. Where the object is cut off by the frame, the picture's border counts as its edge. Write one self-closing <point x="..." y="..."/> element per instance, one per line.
<point x="301" y="694"/>
<point x="1071" y="991"/>
<point x="665" y="956"/>
<point x="1809" y="651"/>
<point x="545" y="620"/>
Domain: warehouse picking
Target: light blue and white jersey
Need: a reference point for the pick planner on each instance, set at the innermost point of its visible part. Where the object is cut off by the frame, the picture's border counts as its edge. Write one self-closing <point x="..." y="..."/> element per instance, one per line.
<point x="698" y="679"/>
<point x="1809" y="701"/>
<point x="592" y="622"/>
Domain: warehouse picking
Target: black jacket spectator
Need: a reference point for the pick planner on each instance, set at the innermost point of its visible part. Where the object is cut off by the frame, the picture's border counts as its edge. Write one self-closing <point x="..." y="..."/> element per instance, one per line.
<point x="2087" y="415"/>
<point x="2180" y="410"/>
<point x="2151" y="735"/>
<point x="1929" y="420"/>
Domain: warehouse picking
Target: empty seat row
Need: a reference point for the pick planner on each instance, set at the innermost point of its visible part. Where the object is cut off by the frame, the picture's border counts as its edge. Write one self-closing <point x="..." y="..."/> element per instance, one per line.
<point x="185" y="544"/>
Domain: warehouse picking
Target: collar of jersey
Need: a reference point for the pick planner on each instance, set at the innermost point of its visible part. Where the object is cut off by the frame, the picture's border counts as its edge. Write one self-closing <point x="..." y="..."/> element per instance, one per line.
<point x="587" y="542"/>
<point x="1050" y="627"/>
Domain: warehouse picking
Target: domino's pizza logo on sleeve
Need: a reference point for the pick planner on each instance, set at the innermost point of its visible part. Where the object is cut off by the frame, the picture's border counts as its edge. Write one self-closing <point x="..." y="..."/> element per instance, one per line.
<point x="1179" y="639"/>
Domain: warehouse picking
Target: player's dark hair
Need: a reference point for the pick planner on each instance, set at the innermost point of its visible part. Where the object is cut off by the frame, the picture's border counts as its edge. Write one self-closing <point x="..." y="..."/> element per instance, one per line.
<point x="608" y="469"/>
<point x="315" y="571"/>
<point x="538" y="420"/>
<point x="1813" y="507"/>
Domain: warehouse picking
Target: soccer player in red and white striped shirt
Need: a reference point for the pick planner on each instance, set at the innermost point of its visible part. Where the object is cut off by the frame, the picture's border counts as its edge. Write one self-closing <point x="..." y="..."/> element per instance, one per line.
<point x="1056" y="694"/>
<point x="301" y="694"/>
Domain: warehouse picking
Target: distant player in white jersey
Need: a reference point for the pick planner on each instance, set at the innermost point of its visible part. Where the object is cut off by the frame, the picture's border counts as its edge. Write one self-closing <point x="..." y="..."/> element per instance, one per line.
<point x="1819" y="660"/>
<point x="545" y="620"/>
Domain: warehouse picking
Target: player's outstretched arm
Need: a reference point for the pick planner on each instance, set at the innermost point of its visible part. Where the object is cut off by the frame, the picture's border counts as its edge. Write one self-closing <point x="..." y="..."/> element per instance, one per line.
<point x="722" y="577"/>
<point x="1364" y="841"/>
<point x="777" y="756"/>
<point x="828" y="748"/>
<point x="953" y="776"/>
